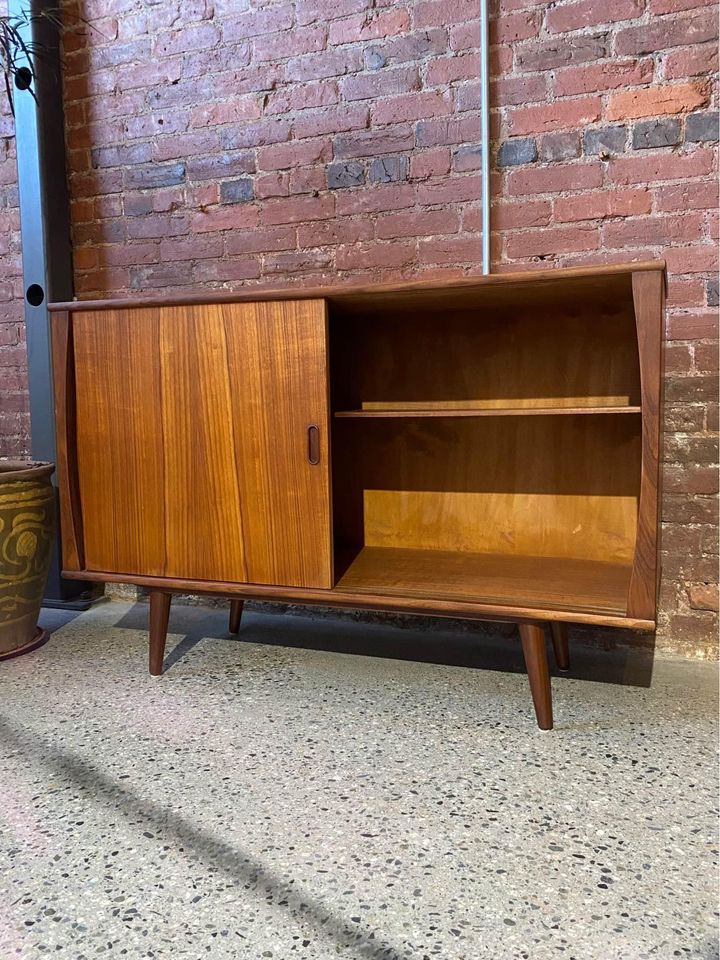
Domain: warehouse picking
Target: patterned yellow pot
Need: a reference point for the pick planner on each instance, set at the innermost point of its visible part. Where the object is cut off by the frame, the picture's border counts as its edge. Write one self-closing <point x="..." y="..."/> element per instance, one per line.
<point x="27" y="529"/>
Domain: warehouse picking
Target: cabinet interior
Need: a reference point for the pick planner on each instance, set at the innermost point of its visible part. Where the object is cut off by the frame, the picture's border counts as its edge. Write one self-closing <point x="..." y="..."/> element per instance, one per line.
<point x="486" y="444"/>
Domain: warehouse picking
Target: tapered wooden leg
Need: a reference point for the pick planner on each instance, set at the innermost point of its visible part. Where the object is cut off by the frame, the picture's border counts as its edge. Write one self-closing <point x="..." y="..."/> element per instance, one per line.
<point x="532" y="636"/>
<point x="159" y="615"/>
<point x="236" y="609"/>
<point x="560" y="644"/>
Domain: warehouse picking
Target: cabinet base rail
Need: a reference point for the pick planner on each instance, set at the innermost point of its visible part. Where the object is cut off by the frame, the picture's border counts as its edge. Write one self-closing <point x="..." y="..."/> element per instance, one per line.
<point x="532" y="637"/>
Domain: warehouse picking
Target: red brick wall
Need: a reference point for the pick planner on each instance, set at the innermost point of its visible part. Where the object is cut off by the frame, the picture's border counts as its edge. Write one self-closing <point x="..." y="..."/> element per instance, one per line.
<point x="227" y="142"/>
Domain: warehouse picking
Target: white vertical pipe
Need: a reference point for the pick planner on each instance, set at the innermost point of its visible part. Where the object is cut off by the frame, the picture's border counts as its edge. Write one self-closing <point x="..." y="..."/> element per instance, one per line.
<point x="485" y="134"/>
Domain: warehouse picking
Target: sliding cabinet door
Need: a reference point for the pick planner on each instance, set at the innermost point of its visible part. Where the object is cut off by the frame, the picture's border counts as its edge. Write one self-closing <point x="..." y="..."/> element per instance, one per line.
<point x="202" y="442"/>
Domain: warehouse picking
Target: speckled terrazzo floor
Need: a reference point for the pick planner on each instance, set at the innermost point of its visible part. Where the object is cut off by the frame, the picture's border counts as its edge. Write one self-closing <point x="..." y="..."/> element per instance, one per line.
<point x="266" y="799"/>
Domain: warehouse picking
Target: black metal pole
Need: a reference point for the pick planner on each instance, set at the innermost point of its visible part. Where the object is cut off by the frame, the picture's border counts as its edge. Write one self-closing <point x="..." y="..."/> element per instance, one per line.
<point x="46" y="243"/>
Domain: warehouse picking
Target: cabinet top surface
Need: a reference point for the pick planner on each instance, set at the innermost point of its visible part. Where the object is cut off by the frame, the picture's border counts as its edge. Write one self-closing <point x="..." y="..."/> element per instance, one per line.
<point x="569" y="279"/>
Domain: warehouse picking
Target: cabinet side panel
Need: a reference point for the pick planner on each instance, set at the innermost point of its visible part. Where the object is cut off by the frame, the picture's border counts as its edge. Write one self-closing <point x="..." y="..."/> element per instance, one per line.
<point x="648" y="297"/>
<point x="278" y="355"/>
<point x="204" y="527"/>
<point x="119" y="440"/>
<point x="63" y="360"/>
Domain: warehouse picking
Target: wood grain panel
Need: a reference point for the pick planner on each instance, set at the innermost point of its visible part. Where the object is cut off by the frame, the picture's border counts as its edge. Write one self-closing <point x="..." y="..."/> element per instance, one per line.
<point x="63" y="356"/>
<point x="534" y="486"/>
<point x="541" y="582"/>
<point x="278" y="353"/>
<point x="192" y="442"/>
<point x="120" y="439"/>
<point x="203" y="517"/>
<point x="648" y="293"/>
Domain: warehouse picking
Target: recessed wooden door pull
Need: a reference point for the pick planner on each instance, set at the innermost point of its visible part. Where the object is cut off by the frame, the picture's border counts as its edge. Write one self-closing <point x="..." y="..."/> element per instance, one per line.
<point x="313" y="444"/>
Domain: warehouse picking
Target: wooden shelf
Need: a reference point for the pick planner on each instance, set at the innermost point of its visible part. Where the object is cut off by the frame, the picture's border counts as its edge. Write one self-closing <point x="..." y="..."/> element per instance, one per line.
<point x="589" y="586"/>
<point x="482" y="412"/>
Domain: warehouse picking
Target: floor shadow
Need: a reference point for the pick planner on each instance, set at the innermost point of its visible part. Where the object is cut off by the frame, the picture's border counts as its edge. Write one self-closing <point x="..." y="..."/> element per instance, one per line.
<point x="52" y="619"/>
<point x="137" y="619"/>
<point x="182" y="649"/>
<point x="176" y="830"/>
<point x="593" y="654"/>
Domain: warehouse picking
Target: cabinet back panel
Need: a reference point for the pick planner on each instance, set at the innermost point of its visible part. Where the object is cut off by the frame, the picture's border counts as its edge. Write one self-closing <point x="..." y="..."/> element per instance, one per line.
<point x="544" y="355"/>
<point x="192" y="442"/>
<point x="555" y="486"/>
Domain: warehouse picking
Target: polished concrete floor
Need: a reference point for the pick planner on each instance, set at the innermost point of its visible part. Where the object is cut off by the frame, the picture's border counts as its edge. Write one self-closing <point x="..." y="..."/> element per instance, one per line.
<point x="309" y="790"/>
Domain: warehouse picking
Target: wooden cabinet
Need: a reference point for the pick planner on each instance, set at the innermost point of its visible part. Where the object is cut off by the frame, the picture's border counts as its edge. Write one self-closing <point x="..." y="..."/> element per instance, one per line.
<point x="487" y="449"/>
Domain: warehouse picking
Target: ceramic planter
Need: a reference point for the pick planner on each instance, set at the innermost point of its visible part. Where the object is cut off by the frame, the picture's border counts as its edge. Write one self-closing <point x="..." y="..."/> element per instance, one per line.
<point x="27" y="530"/>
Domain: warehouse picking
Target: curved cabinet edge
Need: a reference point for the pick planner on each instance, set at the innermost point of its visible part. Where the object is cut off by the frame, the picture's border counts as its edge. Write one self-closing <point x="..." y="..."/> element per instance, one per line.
<point x="648" y="299"/>
<point x="63" y="366"/>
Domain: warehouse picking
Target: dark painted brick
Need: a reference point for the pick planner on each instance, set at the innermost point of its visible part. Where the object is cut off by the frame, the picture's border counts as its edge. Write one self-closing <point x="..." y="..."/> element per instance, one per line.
<point x="702" y="127"/>
<point x="369" y="143"/>
<point x="467" y="158"/>
<point x="121" y="156"/>
<point x="664" y="132"/>
<point x="691" y="389"/>
<point x="559" y="52"/>
<point x="713" y="297"/>
<point x="237" y="191"/>
<point x="375" y="59"/>
<point x="246" y="136"/>
<point x="559" y="146"/>
<point x="220" y="165"/>
<point x="605" y="140"/>
<point x="388" y="169"/>
<point x="154" y="175"/>
<point x="345" y="175"/>
<point x="515" y="152"/>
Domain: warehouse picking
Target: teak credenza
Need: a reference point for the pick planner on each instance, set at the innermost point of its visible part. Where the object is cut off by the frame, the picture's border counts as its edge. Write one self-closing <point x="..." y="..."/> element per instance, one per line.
<point x="484" y="448"/>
